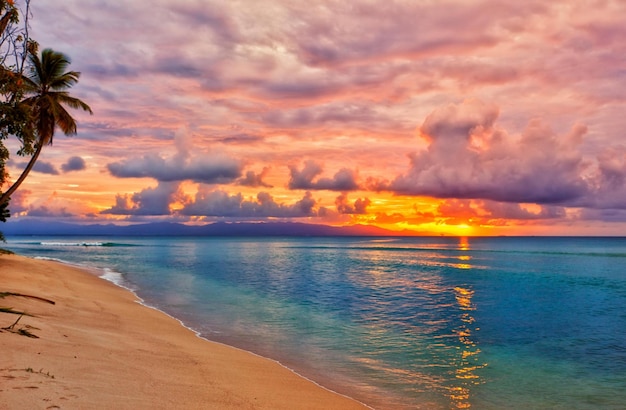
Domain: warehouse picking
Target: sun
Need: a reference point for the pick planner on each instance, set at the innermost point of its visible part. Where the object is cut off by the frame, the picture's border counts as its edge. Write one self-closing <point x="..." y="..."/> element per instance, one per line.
<point x="460" y="230"/>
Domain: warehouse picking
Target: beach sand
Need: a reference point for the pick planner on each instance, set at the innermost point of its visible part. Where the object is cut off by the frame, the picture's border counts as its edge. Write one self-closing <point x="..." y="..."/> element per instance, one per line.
<point x="98" y="348"/>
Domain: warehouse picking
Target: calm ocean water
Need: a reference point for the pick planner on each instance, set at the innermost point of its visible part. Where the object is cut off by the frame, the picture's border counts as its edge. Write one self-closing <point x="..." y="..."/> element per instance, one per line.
<point x="398" y="323"/>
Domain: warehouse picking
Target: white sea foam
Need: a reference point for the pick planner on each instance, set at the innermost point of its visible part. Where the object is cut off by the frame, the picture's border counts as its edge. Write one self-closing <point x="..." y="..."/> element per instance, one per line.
<point x="113" y="276"/>
<point x="45" y="258"/>
<point x="71" y="243"/>
<point x="107" y="274"/>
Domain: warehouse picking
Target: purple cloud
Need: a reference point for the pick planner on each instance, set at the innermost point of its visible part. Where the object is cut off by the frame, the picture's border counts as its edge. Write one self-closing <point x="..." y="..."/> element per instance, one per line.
<point x="343" y="180"/>
<point x="604" y="215"/>
<point x="208" y="169"/>
<point x="45" y="168"/>
<point x="254" y="180"/>
<point x="40" y="166"/>
<point x="150" y="201"/>
<point x="74" y="164"/>
<point x="46" y="212"/>
<point x="222" y="204"/>
<point x="610" y="180"/>
<point x="358" y="207"/>
<point x="185" y="165"/>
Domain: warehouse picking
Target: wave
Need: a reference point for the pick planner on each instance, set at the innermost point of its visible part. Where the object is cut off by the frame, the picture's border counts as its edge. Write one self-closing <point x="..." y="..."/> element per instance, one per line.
<point x="109" y="244"/>
<point x="114" y="277"/>
<point x="45" y="258"/>
<point x="107" y="274"/>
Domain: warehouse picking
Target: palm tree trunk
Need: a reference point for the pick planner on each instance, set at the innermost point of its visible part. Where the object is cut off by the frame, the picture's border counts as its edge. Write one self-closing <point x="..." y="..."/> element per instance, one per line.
<point x="6" y="195"/>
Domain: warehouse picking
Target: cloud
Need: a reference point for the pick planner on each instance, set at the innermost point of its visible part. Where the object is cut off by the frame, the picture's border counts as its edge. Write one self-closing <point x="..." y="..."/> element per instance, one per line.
<point x="215" y="19"/>
<point x="209" y="170"/>
<point x="609" y="180"/>
<point x="469" y="157"/>
<point x="42" y="167"/>
<point x="255" y="180"/>
<point x="112" y="70"/>
<point x="45" y="211"/>
<point x="359" y="207"/>
<point x="455" y="124"/>
<point x="185" y="165"/>
<point x="302" y="179"/>
<point x="476" y="213"/>
<point x="161" y="201"/>
<point x="339" y="114"/>
<point x="19" y="201"/>
<point x="392" y="218"/>
<point x="502" y="210"/>
<point x="74" y="164"/>
<point x="347" y="86"/>
<point x="222" y="204"/>
<point x="150" y="201"/>
<point x="240" y="139"/>
<point x="604" y="215"/>
<point x="376" y="184"/>
<point x="23" y="203"/>
<point x="368" y="31"/>
<point x="343" y="180"/>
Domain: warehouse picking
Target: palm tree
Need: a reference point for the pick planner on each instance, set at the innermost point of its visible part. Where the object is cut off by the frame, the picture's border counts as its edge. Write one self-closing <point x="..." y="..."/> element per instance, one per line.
<point x="47" y="86"/>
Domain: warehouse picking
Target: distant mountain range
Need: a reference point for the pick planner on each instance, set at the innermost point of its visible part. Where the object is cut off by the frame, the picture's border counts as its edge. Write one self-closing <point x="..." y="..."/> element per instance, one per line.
<point x="31" y="227"/>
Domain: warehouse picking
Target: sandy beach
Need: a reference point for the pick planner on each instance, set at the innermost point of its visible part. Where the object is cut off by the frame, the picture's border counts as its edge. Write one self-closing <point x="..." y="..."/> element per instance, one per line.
<point x="98" y="348"/>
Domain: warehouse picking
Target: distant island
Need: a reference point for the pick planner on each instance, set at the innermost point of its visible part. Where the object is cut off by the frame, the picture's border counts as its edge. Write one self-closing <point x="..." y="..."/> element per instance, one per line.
<point x="33" y="227"/>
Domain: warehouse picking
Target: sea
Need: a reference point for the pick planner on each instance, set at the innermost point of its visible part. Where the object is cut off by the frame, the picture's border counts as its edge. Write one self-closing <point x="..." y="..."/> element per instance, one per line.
<point x="396" y="323"/>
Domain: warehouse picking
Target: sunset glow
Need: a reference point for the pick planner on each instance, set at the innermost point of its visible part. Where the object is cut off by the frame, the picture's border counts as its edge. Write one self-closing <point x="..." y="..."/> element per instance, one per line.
<point x="439" y="118"/>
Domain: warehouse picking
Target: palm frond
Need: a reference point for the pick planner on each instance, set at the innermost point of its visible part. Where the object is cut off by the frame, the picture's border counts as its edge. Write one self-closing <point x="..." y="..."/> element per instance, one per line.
<point x="55" y="63"/>
<point x="72" y="102"/>
<point x="48" y="68"/>
<point x="30" y="86"/>
<point x="64" y="81"/>
<point x="36" y="76"/>
<point x="64" y="121"/>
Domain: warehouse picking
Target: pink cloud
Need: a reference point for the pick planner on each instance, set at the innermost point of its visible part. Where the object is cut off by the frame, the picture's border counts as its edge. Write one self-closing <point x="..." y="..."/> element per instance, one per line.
<point x="468" y="157"/>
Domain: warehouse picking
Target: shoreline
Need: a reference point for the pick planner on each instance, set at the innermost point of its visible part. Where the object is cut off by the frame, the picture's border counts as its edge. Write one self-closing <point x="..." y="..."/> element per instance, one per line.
<point x="101" y="346"/>
<point x="116" y="278"/>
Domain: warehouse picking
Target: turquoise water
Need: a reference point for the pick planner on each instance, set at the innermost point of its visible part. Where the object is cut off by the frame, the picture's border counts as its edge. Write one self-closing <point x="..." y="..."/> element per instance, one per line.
<point x="398" y="323"/>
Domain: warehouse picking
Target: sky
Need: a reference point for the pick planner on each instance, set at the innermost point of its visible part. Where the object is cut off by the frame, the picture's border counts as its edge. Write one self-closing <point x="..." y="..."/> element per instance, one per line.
<point x="455" y="117"/>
